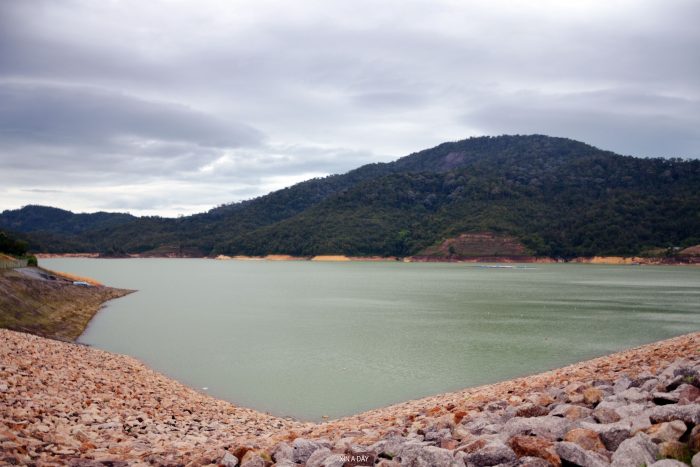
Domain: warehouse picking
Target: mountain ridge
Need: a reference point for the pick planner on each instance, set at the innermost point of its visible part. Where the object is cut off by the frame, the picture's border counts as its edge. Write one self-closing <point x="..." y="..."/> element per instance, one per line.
<point x="559" y="197"/>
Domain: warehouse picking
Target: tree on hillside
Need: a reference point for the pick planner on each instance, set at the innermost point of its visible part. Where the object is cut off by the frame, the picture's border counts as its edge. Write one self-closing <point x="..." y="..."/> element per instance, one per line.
<point x="12" y="246"/>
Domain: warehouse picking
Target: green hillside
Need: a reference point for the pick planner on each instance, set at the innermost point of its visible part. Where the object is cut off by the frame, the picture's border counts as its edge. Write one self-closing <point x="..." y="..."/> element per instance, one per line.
<point x="558" y="197"/>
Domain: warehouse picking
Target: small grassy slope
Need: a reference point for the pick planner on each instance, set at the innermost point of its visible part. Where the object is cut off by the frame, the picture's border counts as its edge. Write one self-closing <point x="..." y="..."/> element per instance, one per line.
<point x="691" y="251"/>
<point x="50" y="308"/>
<point x="477" y="245"/>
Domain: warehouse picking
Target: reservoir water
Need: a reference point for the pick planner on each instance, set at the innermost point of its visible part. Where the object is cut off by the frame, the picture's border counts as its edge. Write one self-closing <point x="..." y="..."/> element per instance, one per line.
<point x="308" y="339"/>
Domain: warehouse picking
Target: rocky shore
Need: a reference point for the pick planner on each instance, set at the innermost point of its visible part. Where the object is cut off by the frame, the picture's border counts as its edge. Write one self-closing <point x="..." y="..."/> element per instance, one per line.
<point x="67" y="404"/>
<point x="63" y="403"/>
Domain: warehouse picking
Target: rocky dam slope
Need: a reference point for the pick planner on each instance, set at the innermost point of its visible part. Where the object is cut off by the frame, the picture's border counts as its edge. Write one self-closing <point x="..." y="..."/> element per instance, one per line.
<point x="49" y="303"/>
<point x="68" y="404"/>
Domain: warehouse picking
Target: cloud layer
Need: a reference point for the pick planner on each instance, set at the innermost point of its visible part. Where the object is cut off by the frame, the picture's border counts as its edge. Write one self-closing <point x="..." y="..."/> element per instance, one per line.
<point x="171" y="107"/>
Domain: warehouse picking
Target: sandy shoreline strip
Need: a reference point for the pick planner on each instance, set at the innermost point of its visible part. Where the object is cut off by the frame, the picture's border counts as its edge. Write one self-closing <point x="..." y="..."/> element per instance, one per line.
<point x="61" y="400"/>
<point x="600" y="260"/>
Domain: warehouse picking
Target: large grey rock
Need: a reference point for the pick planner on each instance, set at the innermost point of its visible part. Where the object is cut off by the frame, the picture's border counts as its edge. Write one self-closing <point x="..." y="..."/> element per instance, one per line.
<point x="461" y="458"/>
<point x="495" y="452"/>
<point x="286" y="463"/>
<point x="667" y="431"/>
<point x="334" y="460"/>
<point x="632" y="416"/>
<point x="389" y="446"/>
<point x="683" y="375"/>
<point x="689" y="413"/>
<point x="496" y="406"/>
<point x="688" y="369"/>
<point x="438" y="435"/>
<point x="692" y="377"/>
<point x="282" y="452"/>
<point x="606" y="415"/>
<point x="559" y="410"/>
<point x="695" y="461"/>
<point x="612" y="402"/>
<point x="632" y="409"/>
<point x="441" y="423"/>
<point x="552" y="428"/>
<point x="677" y="365"/>
<point x="482" y="425"/>
<point x="557" y="393"/>
<point x="528" y="461"/>
<point x="635" y="451"/>
<point x="318" y="457"/>
<point x="621" y="384"/>
<point x="527" y="409"/>
<point x="477" y="442"/>
<point x="612" y="434"/>
<point x="460" y="433"/>
<point x="415" y="455"/>
<point x="641" y="379"/>
<point x="574" y="453"/>
<point x="303" y="448"/>
<point x="254" y="461"/>
<point x="570" y="411"/>
<point x="650" y="385"/>
<point x="668" y="463"/>
<point x="564" y="410"/>
<point x="229" y="460"/>
<point x="614" y="437"/>
<point x="637" y="422"/>
<point x="694" y="439"/>
<point x="687" y="394"/>
<point x="663" y="398"/>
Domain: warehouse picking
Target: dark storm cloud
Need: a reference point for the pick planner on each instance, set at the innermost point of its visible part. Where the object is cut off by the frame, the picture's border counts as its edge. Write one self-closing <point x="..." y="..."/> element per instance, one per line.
<point x="177" y="106"/>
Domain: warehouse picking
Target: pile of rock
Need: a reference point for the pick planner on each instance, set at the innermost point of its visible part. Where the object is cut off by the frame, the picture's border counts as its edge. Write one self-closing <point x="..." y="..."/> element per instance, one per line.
<point x="66" y="404"/>
<point x="650" y="420"/>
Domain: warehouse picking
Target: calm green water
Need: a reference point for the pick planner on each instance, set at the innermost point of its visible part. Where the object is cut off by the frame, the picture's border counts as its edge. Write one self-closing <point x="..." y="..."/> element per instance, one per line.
<point x="311" y="339"/>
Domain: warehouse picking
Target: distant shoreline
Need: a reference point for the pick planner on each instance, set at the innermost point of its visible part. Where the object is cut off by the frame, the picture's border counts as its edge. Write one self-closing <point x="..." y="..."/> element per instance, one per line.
<point x="607" y="260"/>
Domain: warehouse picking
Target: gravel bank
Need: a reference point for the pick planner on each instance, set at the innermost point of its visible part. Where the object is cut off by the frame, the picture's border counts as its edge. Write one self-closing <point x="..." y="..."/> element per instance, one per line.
<point x="64" y="403"/>
<point x="61" y="401"/>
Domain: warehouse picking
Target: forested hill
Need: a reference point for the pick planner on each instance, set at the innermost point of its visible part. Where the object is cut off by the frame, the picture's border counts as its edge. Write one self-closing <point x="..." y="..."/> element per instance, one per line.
<point x="552" y="196"/>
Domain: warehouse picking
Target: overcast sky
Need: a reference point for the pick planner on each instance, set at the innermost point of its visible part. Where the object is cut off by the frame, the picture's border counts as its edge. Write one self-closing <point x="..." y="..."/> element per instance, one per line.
<point x="173" y="107"/>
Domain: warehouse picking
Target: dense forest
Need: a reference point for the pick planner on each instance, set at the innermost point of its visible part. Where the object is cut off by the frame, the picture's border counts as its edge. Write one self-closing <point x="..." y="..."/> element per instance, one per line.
<point x="558" y="197"/>
<point x="13" y="246"/>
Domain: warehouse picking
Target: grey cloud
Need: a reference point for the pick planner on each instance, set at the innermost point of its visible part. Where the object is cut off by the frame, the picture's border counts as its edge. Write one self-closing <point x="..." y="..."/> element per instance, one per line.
<point x="136" y="202"/>
<point x="220" y="101"/>
<point x="636" y="123"/>
<point x="41" y="190"/>
<point x="384" y="100"/>
<point x="87" y="135"/>
<point x="79" y="115"/>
